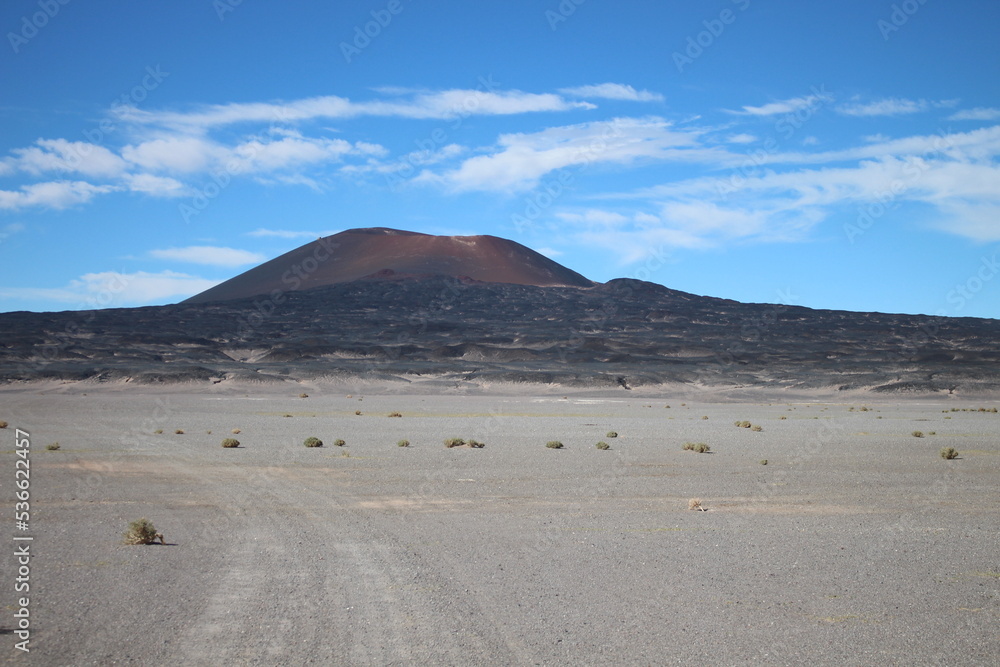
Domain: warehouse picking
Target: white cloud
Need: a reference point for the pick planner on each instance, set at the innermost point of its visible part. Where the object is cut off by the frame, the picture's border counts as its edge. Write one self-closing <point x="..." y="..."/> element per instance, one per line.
<point x="551" y="253"/>
<point x="113" y="289"/>
<point x="741" y="139"/>
<point x="67" y="156"/>
<point x="156" y="186"/>
<point x="175" y="154"/>
<point x="521" y="160"/>
<point x="786" y="106"/>
<point x="886" y="107"/>
<point x="441" y="105"/>
<point x="52" y="194"/>
<point x="979" y="113"/>
<point x="210" y="255"/>
<point x="613" y="91"/>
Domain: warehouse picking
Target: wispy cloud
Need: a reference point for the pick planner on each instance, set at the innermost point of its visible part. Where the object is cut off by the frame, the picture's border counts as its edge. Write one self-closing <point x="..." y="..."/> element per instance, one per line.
<point x="786" y="106"/>
<point x="893" y="106"/>
<point x="612" y="91"/>
<point x="52" y="194"/>
<point x="979" y="113"/>
<point x="209" y="255"/>
<point x="440" y="105"/>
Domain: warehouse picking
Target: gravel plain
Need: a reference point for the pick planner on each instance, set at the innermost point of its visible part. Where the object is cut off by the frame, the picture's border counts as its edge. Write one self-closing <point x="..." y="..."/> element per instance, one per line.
<point x="855" y="544"/>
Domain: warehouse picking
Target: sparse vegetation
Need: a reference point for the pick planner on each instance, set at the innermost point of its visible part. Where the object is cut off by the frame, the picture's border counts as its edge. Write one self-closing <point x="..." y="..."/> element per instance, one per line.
<point x="918" y="434"/>
<point x="699" y="447"/>
<point x="339" y="443"/>
<point x="949" y="453"/>
<point x="603" y="445"/>
<point x="357" y="412"/>
<point x="142" y="531"/>
<point x="286" y="415"/>
<point x="3" y="424"/>
<point x="611" y="434"/>
<point x="313" y="441"/>
<point x="230" y="443"/>
<point x="235" y="431"/>
<point x="757" y="428"/>
<point x="179" y="431"/>
<point x="475" y="444"/>
<point x="554" y="444"/>
<point x="763" y="462"/>
<point x="158" y="431"/>
<point x="395" y="414"/>
<point x="52" y="447"/>
<point x="403" y="443"/>
<point x="454" y="442"/>
<point x="783" y="417"/>
<point x="744" y="424"/>
<point x="695" y="504"/>
<point x="704" y="416"/>
<point x="303" y="395"/>
<point x="931" y="432"/>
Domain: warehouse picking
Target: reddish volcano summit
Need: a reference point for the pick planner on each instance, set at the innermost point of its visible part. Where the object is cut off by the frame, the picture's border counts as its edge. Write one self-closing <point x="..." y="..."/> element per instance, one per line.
<point x="378" y="251"/>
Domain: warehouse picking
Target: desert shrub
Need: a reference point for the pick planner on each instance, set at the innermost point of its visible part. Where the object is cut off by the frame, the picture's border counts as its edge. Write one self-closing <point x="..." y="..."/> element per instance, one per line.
<point x="603" y="445"/>
<point x="140" y="531"/>
<point x="757" y="428"/>
<point x="229" y="443"/>
<point x="286" y="415"/>
<point x="303" y="395"/>
<point x="3" y="424"/>
<point x="783" y="417"/>
<point x="179" y="431"/>
<point x="699" y="447"/>
<point x="395" y="414"/>
<point x="744" y="424"/>
<point x="554" y="444"/>
<point x="704" y="416"/>
<point x="695" y="504"/>
<point x="357" y="412"/>
<point x="403" y="443"/>
<point x="475" y="444"/>
<point x="763" y="462"/>
<point x="339" y="443"/>
<point x="949" y="453"/>
<point x="158" y="431"/>
<point x="918" y="434"/>
<point x="611" y="434"/>
<point x="313" y="441"/>
<point x="52" y="447"/>
<point x="235" y="431"/>
<point x="931" y="432"/>
<point x="667" y="407"/>
<point x="454" y="442"/>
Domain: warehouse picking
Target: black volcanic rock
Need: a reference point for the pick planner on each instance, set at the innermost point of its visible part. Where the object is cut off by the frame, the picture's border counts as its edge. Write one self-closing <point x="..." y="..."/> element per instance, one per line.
<point x="393" y="254"/>
<point x="620" y="335"/>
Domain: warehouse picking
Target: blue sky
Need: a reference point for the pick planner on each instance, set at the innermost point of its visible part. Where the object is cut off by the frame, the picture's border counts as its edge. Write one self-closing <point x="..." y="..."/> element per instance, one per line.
<point x="833" y="155"/>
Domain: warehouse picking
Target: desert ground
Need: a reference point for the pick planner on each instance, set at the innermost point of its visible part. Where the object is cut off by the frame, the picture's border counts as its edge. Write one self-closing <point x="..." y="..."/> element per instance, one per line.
<point x="856" y="543"/>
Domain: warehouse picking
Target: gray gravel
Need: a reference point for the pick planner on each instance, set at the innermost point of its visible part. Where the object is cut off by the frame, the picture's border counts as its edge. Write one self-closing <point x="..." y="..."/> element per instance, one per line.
<point x="856" y="543"/>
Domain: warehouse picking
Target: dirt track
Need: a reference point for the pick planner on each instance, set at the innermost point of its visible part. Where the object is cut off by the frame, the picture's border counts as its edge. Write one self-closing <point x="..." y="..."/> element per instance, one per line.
<point x="856" y="543"/>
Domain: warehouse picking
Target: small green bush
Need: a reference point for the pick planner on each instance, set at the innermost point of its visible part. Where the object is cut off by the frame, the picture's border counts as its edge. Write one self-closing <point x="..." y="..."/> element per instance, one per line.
<point x="763" y="462"/>
<point x="141" y="531"/>
<point x="949" y="453"/>
<point x="603" y="445"/>
<point x="313" y="441"/>
<point x="699" y="447"/>
<point x="475" y="444"/>
<point x="230" y="443"/>
<point x="52" y="447"/>
<point x="454" y="442"/>
<point x="918" y="434"/>
<point x="611" y="434"/>
<point x="403" y="443"/>
<point x="339" y="443"/>
<point x="554" y="444"/>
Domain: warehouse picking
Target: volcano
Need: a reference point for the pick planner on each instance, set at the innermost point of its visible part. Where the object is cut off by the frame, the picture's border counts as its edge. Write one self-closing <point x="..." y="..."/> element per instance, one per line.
<point x="380" y="252"/>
